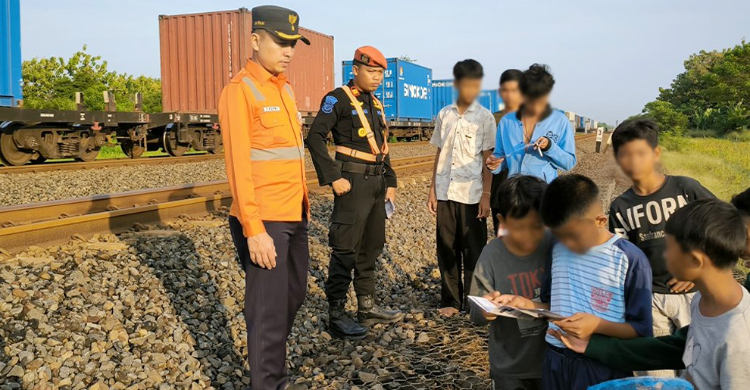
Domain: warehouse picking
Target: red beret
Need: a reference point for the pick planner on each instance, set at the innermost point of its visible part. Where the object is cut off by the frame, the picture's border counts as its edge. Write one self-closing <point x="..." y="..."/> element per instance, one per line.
<point x="370" y="56"/>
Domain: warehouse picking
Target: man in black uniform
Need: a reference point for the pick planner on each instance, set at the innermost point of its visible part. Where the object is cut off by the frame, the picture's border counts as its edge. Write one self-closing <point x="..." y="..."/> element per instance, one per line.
<point x="362" y="180"/>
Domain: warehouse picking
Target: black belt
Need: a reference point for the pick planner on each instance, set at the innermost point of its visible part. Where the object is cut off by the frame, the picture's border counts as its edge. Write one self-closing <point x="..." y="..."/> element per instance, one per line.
<point x="364" y="169"/>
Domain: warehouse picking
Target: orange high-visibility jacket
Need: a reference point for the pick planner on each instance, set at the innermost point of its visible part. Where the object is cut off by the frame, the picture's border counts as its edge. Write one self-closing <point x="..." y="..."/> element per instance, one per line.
<point x="263" y="149"/>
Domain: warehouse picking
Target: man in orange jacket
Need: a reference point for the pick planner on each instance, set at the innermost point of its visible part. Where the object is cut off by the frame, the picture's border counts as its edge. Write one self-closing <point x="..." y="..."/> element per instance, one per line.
<point x="264" y="153"/>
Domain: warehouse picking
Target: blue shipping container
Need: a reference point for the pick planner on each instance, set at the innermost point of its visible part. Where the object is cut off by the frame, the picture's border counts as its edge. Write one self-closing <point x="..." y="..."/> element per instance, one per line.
<point x="10" y="53"/>
<point x="443" y="94"/>
<point x="406" y="91"/>
<point x="490" y="99"/>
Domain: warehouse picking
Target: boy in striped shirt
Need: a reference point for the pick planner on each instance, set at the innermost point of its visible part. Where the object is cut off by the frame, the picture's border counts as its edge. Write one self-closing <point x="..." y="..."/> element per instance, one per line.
<point x="601" y="282"/>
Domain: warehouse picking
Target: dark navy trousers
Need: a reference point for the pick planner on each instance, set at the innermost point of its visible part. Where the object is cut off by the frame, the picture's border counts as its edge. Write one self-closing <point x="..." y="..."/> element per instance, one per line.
<point x="272" y="299"/>
<point x="567" y="370"/>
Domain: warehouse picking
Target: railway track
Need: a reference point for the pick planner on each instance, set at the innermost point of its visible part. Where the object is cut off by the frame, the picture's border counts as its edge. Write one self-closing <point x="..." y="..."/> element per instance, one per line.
<point x="49" y="223"/>
<point x="54" y="222"/>
<point x="125" y="162"/>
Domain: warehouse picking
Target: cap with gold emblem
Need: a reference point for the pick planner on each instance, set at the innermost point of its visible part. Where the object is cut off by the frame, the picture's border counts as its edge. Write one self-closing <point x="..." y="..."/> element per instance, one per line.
<point x="370" y="56"/>
<point x="279" y="21"/>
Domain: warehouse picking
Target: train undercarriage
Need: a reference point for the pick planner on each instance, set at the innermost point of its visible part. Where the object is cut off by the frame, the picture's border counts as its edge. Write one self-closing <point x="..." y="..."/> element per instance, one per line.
<point x="175" y="133"/>
<point x="33" y="135"/>
<point x="39" y="135"/>
<point x="30" y="135"/>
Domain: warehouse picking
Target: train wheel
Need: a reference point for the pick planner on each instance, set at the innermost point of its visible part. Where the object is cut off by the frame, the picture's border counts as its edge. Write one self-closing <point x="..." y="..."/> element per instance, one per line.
<point x="9" y="152"/>
<point x="131" y="148"/>
<point x="217" y="150"/>
<point x="170" y="145"/>
<point x="88" y="153"/>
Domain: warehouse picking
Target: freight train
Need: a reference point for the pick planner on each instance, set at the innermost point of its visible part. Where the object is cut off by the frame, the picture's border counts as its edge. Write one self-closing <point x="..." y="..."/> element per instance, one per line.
<point x="39" y="134"/>
<point x="200" y="53"/>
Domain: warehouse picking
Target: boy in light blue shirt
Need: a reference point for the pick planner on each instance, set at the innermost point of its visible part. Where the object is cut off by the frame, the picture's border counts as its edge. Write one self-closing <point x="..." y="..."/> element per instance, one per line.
<point x="536" y="140"/>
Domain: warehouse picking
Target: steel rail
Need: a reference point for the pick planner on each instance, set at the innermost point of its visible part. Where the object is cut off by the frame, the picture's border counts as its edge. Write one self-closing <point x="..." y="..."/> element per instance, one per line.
<point x="54" y="222"/>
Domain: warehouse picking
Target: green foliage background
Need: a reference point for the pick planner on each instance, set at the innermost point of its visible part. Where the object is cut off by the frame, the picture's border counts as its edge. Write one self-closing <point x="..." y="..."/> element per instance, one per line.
<point x="51" y="83"/>
<point x="713" y="93"/>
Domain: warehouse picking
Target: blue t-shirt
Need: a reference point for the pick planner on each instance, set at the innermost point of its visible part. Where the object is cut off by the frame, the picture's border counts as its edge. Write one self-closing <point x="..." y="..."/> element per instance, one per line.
<point x="611" y="281"/>
<point x="509" y="143"/>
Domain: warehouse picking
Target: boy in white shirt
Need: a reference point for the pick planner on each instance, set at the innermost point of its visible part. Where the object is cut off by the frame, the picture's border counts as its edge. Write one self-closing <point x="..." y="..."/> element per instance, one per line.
<point x="460" y="193"/>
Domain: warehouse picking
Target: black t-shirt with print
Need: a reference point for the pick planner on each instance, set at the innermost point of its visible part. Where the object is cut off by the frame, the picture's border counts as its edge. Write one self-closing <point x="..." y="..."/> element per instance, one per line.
<point x="641" y="219"/>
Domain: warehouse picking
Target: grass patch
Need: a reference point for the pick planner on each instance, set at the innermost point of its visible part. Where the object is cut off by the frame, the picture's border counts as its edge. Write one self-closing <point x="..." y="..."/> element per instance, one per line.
<point x="113" y="152"/>
<point x="721" y="165"/>
<point x="109" y="152"/>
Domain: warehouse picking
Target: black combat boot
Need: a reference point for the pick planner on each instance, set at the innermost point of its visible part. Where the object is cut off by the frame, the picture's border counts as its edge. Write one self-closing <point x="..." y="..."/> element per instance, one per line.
<point x="341" y="325"/>
<point x="370" y="314"/>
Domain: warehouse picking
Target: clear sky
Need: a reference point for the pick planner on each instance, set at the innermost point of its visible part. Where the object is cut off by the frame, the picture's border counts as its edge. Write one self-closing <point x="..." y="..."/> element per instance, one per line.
<point x="609" y="56"/>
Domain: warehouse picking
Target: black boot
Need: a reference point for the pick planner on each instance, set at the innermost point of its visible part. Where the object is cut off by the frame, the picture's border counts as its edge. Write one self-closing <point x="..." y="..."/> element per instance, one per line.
<point x="369" y="313"/>
<point x="341" y="325"/>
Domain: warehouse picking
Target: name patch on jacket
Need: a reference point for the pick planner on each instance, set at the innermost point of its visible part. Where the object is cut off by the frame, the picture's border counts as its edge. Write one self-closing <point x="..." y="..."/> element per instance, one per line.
<point x="271" y="109"/>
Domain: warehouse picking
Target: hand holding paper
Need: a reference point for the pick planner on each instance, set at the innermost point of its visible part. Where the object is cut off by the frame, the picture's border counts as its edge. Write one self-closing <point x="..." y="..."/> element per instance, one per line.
<point x="541" y="143"/>
<point x="512" y="306"/>
<point x="515" y="301"/>
<point x="581" y="325"/>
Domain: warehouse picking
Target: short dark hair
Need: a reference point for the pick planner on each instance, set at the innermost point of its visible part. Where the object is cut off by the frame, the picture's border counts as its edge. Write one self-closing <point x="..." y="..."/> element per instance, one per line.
<point x="742" y="202"/>
<point x="510" y="75"/>
<point x="635" y="129"/>
<point x="711" y="226"/>
<point x="537" y="81"/>
<point x="519" y="195"/>
<point x="468" y="69"/>
<point x="567" y="197"/>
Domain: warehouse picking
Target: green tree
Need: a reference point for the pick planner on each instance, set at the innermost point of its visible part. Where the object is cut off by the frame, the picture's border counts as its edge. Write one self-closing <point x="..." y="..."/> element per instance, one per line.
<point x="714" y="90"/>
<point x="406" y="58"/>
<point x="51" y="83"/>
<point x="669" y="120"/>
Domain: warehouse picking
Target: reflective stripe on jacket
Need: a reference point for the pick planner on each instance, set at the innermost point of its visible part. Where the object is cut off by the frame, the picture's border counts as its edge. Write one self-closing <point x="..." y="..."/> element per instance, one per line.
<point x="264" y="151"/>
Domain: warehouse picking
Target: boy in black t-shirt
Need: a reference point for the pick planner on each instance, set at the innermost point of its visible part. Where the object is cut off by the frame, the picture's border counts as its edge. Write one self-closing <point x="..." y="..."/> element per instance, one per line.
<point x="640" y="215"/>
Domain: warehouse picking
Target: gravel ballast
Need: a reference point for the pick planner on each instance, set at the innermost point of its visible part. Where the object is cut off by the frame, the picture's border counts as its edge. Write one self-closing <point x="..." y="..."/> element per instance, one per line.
<point x="161" y="308"/>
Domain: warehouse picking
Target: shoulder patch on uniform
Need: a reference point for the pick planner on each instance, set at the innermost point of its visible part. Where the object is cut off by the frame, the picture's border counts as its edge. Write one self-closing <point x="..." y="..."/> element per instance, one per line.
<point x="328" y="104"/>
